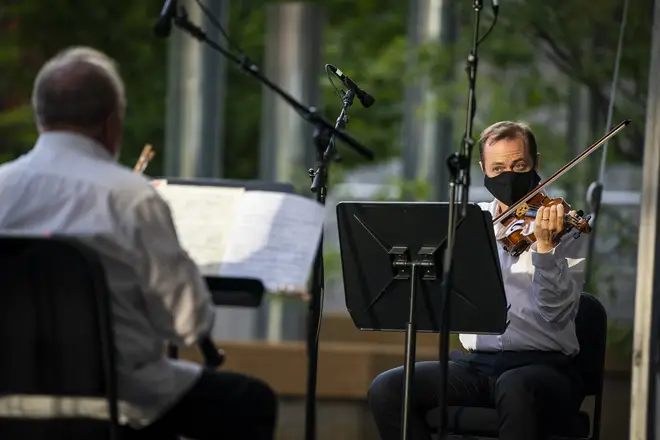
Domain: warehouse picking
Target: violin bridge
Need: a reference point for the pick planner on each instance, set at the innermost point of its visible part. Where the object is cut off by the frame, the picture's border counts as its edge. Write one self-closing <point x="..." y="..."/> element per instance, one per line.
<point x="522" y="210"/>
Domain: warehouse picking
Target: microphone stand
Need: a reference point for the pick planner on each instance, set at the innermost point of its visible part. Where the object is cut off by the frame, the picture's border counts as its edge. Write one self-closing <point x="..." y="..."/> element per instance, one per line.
<point x="310" y="114"/>
<point x="459" y="174"/>
<point x="325" y="152"/>
<point x="319" y="186"/>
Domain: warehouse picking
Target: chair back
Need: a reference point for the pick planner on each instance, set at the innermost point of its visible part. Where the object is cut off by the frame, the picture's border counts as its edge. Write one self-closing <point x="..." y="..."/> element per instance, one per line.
<point x="55" y="332"/>
<point x="591" y="331"/>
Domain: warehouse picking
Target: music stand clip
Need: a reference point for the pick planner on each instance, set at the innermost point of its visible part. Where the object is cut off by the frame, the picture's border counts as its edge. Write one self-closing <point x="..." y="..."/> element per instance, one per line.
<point x="403" y="264"/>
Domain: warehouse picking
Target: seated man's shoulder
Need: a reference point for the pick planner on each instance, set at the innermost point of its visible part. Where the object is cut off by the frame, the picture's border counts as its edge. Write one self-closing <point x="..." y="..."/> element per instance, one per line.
<point x="130" y="187"/>
<point x="487" y="206"/>
<point x="11" y="167"/>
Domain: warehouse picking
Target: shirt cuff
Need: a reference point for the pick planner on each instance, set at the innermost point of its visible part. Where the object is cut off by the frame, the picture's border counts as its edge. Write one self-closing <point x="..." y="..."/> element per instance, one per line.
<point x="543" y="261"/>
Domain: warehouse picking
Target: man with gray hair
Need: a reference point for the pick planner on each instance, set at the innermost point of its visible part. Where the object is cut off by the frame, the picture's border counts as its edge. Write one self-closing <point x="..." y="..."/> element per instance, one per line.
<point x="71" y="184"/>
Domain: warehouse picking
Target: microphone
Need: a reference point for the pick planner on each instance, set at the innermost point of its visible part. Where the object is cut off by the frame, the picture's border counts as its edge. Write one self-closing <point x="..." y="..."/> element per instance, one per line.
<point x="496" y="6"/>
<point x="163" y="26"/>
<point x="365" y="99"/>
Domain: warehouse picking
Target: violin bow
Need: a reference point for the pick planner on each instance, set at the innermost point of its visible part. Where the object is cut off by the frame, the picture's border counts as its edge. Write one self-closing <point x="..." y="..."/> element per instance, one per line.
<point x="145" y="157"/>
<point x="563" y="170"/>
<point x="595" y="192"/>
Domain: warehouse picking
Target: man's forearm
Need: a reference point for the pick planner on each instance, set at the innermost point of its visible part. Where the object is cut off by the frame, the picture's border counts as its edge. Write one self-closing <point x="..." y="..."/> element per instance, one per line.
<point x="554" y="287"/>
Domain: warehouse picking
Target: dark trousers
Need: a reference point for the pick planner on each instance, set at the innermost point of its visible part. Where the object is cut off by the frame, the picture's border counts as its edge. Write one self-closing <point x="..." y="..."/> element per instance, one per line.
<point x="222" y="405"/>
<point x="532" y="391"/>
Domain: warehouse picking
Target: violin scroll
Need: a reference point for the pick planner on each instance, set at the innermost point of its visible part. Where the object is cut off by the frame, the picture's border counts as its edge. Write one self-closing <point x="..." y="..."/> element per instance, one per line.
<point x="144" y="159"/>
<point x="517" y="232"/>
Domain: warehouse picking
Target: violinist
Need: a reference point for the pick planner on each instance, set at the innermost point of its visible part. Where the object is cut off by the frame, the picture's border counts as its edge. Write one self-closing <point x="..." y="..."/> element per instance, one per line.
<point x="71" y="184"/>
<point x="526" y="373"/>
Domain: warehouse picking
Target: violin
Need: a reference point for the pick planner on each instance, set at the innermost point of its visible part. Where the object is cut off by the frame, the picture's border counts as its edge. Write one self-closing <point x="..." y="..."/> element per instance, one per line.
<point x="517" y="232"/>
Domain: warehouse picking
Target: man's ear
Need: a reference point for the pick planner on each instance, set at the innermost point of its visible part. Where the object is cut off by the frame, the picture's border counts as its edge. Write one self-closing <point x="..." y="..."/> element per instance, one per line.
<point x="481" y="164"/>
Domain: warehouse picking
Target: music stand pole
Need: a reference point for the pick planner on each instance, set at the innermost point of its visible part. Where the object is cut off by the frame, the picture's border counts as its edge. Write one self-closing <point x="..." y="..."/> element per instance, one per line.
<point x="459" y="166"/>
<point x="325" y="147"/>
<point x="391" y="256"/>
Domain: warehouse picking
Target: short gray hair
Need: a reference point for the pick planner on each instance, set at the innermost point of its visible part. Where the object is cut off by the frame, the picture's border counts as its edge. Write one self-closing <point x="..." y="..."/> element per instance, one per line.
<point x="78" y="87"/>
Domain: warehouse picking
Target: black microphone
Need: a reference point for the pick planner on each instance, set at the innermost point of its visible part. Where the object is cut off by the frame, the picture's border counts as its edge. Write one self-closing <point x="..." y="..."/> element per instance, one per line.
<point x="496" y="7"/>
<point x="365" y="99"/>
<point x="163" y="26"/>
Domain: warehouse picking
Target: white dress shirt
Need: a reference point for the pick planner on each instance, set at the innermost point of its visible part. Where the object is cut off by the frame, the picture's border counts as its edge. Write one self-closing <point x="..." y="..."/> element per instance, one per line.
<point x="543" y="291"/>
<point x="69" y="185"/>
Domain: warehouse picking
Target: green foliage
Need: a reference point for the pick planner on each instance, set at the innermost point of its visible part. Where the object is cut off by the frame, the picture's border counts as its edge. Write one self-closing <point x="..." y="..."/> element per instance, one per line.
<point x="121" y="29"/>
<point x="581" y="39"/>
<point x="510" y="83"/>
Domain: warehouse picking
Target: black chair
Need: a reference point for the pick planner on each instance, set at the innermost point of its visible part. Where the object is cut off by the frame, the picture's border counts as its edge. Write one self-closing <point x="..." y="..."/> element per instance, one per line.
<point x="57" y="341"/>
<point x="471" y="423"/>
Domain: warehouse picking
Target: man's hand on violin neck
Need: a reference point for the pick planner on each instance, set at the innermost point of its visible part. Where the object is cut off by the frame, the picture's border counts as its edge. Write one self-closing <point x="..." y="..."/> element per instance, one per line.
<point x="548" y="224"/>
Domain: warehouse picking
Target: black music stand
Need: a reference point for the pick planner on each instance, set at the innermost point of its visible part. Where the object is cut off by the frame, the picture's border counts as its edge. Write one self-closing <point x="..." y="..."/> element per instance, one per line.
<point x="391" y="256"/>
<point x="226" y="291"/>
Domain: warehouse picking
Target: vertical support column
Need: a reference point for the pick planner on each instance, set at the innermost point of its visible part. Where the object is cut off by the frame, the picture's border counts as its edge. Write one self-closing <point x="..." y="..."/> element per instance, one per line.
<point x="427" y="137"/>
<point x="578" y="135"/>
<point x="195" y="98"/>
<point x="644" y="396"/>
<point x="293" y="61"/>
<point x="194" y="136"/>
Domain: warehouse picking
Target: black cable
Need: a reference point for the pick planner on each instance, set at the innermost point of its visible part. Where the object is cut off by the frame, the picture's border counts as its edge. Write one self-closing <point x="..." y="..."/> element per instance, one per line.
<point x="492" y="25"/>
<point x="246" y="62"/>
<point x="218" y="25"/>
<point x="337" y="89"/>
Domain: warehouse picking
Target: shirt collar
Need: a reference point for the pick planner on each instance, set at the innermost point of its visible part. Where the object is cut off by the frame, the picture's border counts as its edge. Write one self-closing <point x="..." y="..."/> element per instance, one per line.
<point x="67" y="140"/>
<point x="492" y="208"/>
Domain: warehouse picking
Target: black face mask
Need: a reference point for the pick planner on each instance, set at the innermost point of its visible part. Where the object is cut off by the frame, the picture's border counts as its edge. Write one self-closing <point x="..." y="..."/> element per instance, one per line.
<point x="509" y="187"/>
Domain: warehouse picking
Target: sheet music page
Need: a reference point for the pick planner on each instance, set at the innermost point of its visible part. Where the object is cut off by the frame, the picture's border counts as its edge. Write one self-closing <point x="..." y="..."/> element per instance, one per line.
<point x="274" y="239"/>
<point x="203" y="217"/>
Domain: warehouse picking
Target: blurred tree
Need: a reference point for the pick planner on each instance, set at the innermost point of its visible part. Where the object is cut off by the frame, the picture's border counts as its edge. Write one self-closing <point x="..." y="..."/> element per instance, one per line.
<point x="369" y="43"/>
<point x="375" y="58"/>
<point x="580" y="37"/>
<point x="512" y="83"/>
<point x="121" y="29"/>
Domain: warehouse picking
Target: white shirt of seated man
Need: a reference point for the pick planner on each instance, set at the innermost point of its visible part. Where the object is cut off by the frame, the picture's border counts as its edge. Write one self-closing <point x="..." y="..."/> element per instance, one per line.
<point x="71" y="184"/>
<point x="543" y="285"/>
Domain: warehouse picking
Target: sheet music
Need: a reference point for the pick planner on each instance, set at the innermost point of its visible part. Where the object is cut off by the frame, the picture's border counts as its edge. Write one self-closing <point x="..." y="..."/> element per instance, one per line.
<point x="274" y="239"/>
<point x="204" y="217"/>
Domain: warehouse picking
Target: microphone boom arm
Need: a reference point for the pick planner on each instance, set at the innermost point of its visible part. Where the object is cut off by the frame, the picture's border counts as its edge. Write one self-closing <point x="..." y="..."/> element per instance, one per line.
<point x="310" y="114"/>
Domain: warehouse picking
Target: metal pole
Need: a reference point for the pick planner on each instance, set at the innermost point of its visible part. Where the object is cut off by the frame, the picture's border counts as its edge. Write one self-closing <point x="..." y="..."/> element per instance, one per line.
<point x="427" y="136"/>
<point x="195" y="99"/>
<point x="647" y="311"/>
<point x="578" y="135"/>
<point x="194" y="128"/>
<point x="293" y="61"/>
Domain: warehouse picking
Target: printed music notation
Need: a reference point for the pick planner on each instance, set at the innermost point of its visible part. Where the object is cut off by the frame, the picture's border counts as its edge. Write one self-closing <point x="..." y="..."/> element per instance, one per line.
<point x="275" y="239"/>
<point x="231" y="232"/>
<point x="202" y="216"/>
